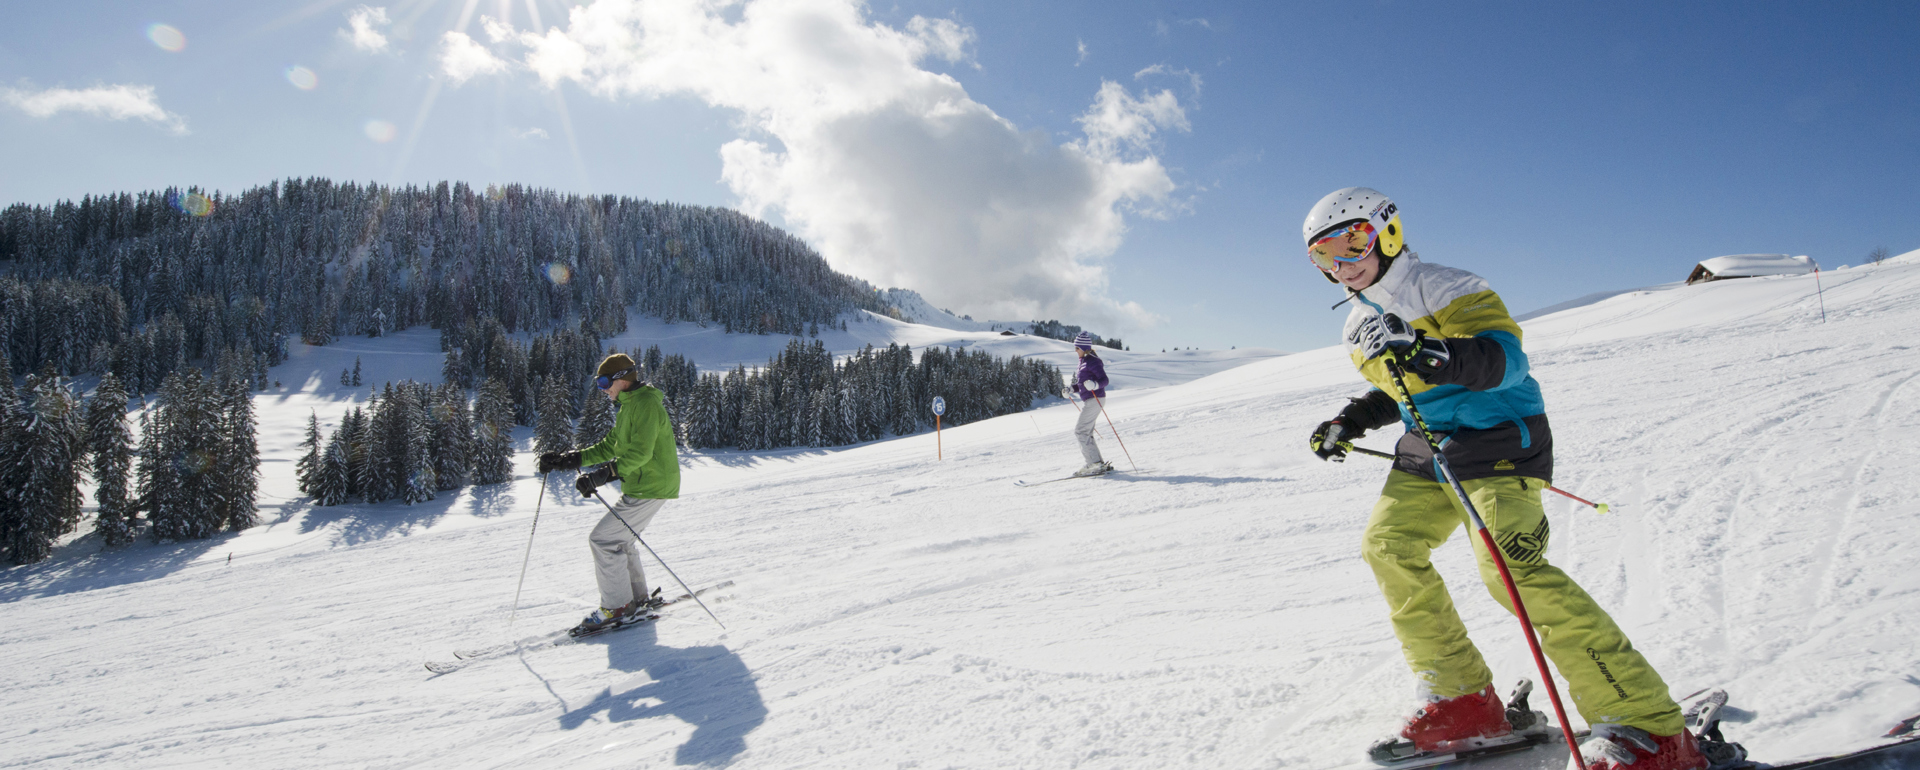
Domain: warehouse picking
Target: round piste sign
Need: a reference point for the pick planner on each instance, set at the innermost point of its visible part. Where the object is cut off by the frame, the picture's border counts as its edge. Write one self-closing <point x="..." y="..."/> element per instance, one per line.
<point x="939" y="405"/>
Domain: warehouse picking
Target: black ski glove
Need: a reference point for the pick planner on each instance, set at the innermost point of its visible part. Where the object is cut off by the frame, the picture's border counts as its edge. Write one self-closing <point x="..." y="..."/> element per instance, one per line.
<point x="1373" y="411"/>
<point x="559" y="461"/>
<point x="1425" y="355"/>
<point x="1377" y="335"/>
<point x="594" y="479"/>
<point x="1330" y="440"/>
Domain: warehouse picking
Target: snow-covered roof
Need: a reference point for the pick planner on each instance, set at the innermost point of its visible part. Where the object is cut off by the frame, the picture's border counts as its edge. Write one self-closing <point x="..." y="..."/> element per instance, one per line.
<point x="1749" y="265"/>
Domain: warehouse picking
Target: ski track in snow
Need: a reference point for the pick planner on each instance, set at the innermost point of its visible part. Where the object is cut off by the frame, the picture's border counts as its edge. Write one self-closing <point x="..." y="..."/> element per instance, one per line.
<point x="891" y="610"/>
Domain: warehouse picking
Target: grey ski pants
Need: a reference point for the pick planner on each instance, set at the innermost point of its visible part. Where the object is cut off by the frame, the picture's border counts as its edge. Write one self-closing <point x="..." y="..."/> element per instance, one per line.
<point x="1083" y="430"/>
<point x="616" y="557"/>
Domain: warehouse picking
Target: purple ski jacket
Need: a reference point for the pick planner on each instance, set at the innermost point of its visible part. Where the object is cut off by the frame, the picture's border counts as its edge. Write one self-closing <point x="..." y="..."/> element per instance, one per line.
<point x="1091" y="368"/>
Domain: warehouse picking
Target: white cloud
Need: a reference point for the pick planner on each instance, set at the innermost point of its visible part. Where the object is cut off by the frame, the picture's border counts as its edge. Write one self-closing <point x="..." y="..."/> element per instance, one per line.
<point x="531" y="133"/>
<point x="364" y="25"/>
<point x="112" y="102"/>
<point x="1119" y="124"/>
<point x="462" y="59"/>
<point x="1083" y="52"/>
<point x="893" y="172"/>
<point x="1193" y="78"/>
<point x="944" y="38"/>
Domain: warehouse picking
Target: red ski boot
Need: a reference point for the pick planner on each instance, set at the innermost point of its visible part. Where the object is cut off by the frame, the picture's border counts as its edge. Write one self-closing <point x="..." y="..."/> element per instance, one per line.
<point x="1438" y="725"/>
<point x="1619" y="747"/>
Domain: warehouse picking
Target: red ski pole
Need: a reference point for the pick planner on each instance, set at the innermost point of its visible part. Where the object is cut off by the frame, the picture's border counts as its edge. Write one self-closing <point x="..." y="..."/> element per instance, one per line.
<point x="1499" y="562"/>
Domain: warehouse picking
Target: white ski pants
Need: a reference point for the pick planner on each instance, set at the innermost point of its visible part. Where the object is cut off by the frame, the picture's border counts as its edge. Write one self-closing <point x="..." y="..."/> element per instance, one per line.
<point x="1083" y="430"/>
<point x="616" y="557"/>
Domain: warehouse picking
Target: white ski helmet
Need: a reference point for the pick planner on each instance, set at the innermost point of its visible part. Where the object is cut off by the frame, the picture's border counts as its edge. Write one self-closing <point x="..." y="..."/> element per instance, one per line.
<point x="1357" y="204"/>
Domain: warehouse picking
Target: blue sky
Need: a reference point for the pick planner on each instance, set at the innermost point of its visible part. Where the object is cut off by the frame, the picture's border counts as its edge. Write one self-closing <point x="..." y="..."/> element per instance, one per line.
<point x="1138" y="167"/>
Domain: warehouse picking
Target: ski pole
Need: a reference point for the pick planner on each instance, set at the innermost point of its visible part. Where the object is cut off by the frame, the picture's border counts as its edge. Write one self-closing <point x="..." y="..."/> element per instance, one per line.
<point x="529" y="556"/>
<point x="1116" y="433"/>
<point x="663" y="562"/>
<point x="1599" y="507"/>
<point x="1486" y="539"/>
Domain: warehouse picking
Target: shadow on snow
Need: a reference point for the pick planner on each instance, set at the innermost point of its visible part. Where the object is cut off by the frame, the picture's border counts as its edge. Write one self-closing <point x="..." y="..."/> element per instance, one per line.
<point x="708" y="687"/>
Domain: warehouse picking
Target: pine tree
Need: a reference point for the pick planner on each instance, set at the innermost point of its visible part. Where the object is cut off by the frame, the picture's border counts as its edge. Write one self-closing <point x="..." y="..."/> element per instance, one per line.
<point x="353" y="442"/>
<point x="54" y="438"/>
<point x="452" y="438"/>
<point x="493" y="434"/>
<point x="356" y="370"/>
<point x="554" y="429"/>
<point x="331" y="478"/>
<point x="239" y="478"/>
<point x="596" y="421"/>
<point x="417" y="482"/>
<point x="180" y="460"/>
<point x="385" y="441"/>
<point x="309" y="461"/>
<point x="110" y="445"/>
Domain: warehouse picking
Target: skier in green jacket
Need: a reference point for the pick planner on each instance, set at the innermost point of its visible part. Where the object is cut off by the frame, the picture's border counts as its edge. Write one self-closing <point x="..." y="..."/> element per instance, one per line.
<point x="639" y="453"/>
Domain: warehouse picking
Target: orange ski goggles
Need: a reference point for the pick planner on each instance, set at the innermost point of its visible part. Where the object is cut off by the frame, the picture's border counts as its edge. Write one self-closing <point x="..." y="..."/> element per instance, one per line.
<point x="1347" y="244"/>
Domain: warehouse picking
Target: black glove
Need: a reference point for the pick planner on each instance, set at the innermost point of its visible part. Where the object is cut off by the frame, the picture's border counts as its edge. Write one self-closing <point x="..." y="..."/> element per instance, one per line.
<point x="559" y="461"/>
<point x="594" y="479"/>
<point x="1425" y="355"/>
<point x="1330" y="439"/>
<point x="1378" y="334"/>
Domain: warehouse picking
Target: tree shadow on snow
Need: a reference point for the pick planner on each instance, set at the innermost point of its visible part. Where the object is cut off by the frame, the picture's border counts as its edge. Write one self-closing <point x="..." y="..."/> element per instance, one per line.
<point x="708" y="687"/>
<point x="84" y="564"/>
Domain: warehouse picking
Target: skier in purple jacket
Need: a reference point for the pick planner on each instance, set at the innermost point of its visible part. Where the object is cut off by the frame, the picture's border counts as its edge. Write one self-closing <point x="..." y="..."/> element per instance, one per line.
<point x="1090" y="384"/>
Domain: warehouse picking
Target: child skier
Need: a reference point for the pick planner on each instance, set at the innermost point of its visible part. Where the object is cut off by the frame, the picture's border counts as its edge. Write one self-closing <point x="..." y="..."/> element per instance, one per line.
<point x="1090" y="384"/>
<point x="639" y="452"/>
<point x="1468" y="376"/>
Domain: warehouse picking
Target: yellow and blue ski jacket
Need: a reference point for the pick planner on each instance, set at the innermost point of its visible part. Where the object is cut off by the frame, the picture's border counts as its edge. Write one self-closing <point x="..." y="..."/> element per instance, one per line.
<point x="1484" y="400"/>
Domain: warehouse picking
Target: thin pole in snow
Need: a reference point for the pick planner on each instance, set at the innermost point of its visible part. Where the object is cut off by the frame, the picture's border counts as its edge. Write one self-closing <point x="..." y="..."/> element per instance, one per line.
<point x="529" y="556"/>
<point x="1821" y="291"/>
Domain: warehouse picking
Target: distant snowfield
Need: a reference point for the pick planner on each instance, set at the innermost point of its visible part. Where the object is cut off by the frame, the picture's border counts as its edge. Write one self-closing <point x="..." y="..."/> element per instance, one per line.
<point x="894" y="610"/>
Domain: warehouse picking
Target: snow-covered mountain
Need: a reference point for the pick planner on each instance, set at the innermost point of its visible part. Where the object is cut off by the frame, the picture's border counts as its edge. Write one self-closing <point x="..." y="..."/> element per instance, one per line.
<point x="894" y="610"/>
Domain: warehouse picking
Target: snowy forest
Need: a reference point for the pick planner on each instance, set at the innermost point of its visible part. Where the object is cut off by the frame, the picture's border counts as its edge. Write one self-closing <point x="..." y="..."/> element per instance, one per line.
<point x="193" y="297"/>
<point x="413" y="440"/>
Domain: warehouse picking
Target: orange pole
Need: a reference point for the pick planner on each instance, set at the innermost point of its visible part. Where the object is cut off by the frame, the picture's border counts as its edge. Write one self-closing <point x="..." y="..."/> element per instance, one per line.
<point x="940" y="451"/>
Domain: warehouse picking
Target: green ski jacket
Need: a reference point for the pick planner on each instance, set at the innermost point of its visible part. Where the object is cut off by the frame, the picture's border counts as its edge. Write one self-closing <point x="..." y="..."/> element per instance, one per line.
<point x="641" y="446"/>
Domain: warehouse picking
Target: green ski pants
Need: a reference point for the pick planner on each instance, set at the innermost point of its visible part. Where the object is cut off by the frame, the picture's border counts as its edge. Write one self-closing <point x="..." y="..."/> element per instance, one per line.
<point x="1608" y="680"/>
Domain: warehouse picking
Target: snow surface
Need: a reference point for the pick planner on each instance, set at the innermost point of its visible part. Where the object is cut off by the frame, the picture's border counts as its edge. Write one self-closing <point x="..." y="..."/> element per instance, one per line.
<point x="894" y="610"/>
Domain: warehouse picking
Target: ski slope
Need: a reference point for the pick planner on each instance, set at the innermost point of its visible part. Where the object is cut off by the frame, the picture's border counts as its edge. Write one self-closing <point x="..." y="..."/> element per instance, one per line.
<point x="894" y="610"/>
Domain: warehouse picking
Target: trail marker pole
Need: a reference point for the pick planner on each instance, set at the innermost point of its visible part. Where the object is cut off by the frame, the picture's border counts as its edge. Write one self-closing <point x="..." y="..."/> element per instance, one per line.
<point x="939" y="408"/>
<point x="1819" y="290"/>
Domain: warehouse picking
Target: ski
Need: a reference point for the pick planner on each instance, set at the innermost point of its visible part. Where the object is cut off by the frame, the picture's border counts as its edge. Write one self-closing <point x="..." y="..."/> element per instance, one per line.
<point x="1887" y="756"/>
<point x="561" y="638"/>
<point x="1703" y="716"/>
<point x="1025" y="483"/>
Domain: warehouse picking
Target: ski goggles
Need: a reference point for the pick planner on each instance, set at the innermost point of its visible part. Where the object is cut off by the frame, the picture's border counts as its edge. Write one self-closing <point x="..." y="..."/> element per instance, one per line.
<point x="606" y="380"/>
<point x="1347" y="244"/>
